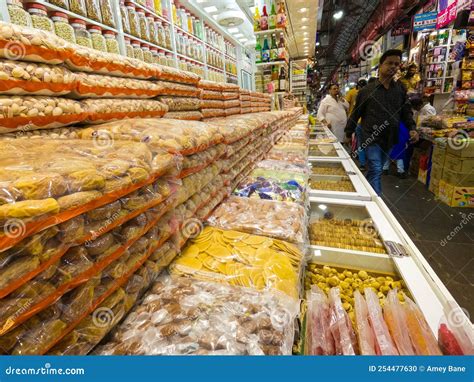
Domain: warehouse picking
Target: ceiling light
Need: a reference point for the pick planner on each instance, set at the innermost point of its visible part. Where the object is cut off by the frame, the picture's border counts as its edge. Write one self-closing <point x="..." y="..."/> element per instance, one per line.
<point x="338" y="14"/>
<point x="302" y="10"/>
<point x="233" y="30"/>
<point x="317" y="43"/>
<point x="210" y="9"/>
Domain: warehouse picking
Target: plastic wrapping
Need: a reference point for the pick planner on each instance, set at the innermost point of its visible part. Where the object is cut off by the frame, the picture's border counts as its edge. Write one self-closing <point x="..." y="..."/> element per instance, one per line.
<point x="283" y="221"/>
<point x="319" y="340"/>
<point x="341" y="327"/>
<point x="184" y="115"/>
<point x="89" y="60"/>
<point x="212" y="95"/>
<point x="422" y="339"/>
<point x="346" y="234"/>
<point x="230" y="96"/>
<point x="199" y="161"/>
<point x="212" y="104"/>
<point x="231" y="104"/>
<point x="102" y="256"/>
<point x="160" y="134"/>
<point x="241" y="259"/>
<point x="394" y="315"/>
<point x="174" y="89"/>
<point x="195" y="182"/>
<point x="181" y="103"/>
<point x="383" y="341"/>
<point x="113" y="109"/>
<point x="22" y="78"/>
<point x="203" y="318"/>
<point x="365" y="334"/>
<point x="212" y="113"/>
<point x="288" y="156"/>
<point x="25" y="113"/>
<point x="232" y="111"/>
<point x="167" y="73"/>
<point x="98" y="86"/>
<point x="210" y="85"/>
<point x="60" y="179"/>
<point x="29" y="44"/>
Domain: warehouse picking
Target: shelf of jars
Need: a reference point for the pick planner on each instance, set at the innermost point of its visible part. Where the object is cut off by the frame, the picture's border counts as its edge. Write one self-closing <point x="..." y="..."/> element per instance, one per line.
<point x="143" y="29"/>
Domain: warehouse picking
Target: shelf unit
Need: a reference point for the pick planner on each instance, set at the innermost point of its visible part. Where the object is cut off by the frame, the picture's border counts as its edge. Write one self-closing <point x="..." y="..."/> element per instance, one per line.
<point x="298" y="82"/>
<point x="195" y="9"/>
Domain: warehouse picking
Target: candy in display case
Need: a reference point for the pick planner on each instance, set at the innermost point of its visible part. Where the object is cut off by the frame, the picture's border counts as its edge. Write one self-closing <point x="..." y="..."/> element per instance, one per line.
<point x="337" y="178"/>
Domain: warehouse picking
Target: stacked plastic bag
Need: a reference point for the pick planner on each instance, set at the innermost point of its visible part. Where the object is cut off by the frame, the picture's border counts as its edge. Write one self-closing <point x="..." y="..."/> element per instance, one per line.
<point x="212" y="99"/>
<point x="260" y="102"/>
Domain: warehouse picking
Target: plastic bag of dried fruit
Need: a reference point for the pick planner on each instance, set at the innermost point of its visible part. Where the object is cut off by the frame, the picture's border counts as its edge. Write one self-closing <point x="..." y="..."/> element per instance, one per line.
<point x="341" y="326"/>
<point x="212" y="113"/>
<point x="170" y="74"/>
<point x="184" y="115"/>
<point x="25" y="113"/>
<point x="23" y="78"/>
<point x="20" y="43"/>
<point x="212" y="104"/>
<point x="210" y="85"/>
<point x="181" y="103"/>
<point x="195" y="317"/>
<point x="212" y="94"/>
<point x="174" y="89"/>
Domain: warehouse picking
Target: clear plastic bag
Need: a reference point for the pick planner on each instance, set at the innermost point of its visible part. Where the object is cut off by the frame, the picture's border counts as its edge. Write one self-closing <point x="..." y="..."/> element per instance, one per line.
<point x="364" y="331"/>
<point x="29" y="44"/>
<point x="195" y="317"/>
<point x="25" y="113"/>
<point x="212" y="113"/>
<point x="95" y="86"/>
<point x="113" y="109"/>
<point x="283" y="221"/>
<point x="384" y="344"/>
<point x="341" y="326"/>
<point x="318" y="336"/>
<point x="167" y="73"/>
<point x="184" y="115"/>
<point x="181" y="103"/>
<point x="211" y="94"/>
<point x="212" y="104"/>
<point x="214" y="256"/>
<point x="230" y="96"/>
<point x="210" y="85"/>
<point x="21" y="78"/>
<point x="173" y="89"/>
<point x="232" y="111"/>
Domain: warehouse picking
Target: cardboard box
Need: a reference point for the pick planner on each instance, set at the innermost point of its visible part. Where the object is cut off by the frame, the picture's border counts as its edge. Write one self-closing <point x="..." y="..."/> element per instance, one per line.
<point x="465" y="179"/>
<point x="458" y="164"/>
<point x="461" y="149"/>
<point x="422" y="175"/>
<point x="434" y="186"/>
<point x="436" y="171"/>
<point x="456" y="196"/>
<point x="439" y="153"/>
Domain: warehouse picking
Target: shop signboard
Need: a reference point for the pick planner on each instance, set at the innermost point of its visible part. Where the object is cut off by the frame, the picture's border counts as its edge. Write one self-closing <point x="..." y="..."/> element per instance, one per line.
<point x="402" y="28"/>
<point x="425" y="21"/>
<point x="447" y="15"/>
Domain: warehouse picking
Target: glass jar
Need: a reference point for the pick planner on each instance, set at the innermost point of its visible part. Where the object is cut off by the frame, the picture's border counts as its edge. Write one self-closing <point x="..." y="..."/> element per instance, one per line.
<point x="147" y="56"/>
<point x="78" y="6"/>
<point x="182" y="64"/>
<point x="62" y="27"/>
<point x="133" y="19"/>
<point x="160" y="33"/>
<point x="59" y="3"/>
<point x="167" y="36"/>
<point x="128" y="48"/>
<point x="154" y="55"/>
<point x="152" y="28"/>
<point x="143" y="25"/>
<point x="162" y="58"/>
<point x="98" y="41"/>
<point x="93" y="10"/>
<point x="111" y="42"/>
<point x="141" y="2"/>
<point x="137" y="51"/>
<point x="157" y="4"/>
<point x="190" y="22"/>
<point x="39" y="17"/>
<point x="169" y="60"/>
<point x="197" y="28"/>
<point x="178" y="41"/>
<point x="124" y="16"/>
<point x="83" y="37"/>
<point x="107" y="13"/>
<point x="17" y="14"/>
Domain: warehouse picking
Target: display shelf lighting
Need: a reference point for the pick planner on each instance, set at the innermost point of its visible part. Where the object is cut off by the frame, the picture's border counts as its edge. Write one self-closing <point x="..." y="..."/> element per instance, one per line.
<point x="302" y="10"/>
<point x="338" y="14"/>
<point x="304" y="27"/>
<point x="304" y="19"/>
<point x="318" y="43"/>
<point x="211" y="9"/>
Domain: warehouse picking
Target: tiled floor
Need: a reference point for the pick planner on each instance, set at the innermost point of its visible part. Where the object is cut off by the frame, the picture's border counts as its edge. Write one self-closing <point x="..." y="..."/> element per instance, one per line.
<point x="428" y="222"/>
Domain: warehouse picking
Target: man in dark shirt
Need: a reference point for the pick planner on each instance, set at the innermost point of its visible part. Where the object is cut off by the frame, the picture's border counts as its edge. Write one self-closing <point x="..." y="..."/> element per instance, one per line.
<point x="381" y="105"/>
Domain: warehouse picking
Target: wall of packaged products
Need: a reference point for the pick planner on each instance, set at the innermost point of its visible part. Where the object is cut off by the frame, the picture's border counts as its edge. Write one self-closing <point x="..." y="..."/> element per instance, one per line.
<point x="159" y="31"/>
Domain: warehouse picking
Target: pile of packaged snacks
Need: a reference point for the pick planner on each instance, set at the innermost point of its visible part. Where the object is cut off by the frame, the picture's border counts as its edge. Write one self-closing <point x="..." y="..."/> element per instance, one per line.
<point x="181" y="316"/>
<point x="241" y="259"/>
<point x="279" y="220"/>
<point x="260" y="102"/>
<point x="212" y="99"/>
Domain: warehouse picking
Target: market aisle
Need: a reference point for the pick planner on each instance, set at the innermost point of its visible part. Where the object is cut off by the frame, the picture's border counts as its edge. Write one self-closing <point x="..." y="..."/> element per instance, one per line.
<point x="430" y="223"/>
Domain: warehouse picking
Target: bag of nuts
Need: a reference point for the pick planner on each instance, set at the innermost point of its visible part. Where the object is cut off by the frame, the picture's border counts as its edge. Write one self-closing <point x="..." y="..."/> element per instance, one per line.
<point x="31" y="113"/>
<point x="28" y="44"/>
<point x="181" y="103"/>
<point x="184" y="115"/>
<point x="23" y="78"/>
<point x="167" y="73"/>
<point x="93" y="86"/>
<point x="171" y="88"/>
<point x="112" y="109"/>
<point x="210" y="85"/>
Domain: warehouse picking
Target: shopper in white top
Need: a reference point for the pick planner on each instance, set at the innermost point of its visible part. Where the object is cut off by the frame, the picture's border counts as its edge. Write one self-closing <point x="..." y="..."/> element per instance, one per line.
<point x="333" y="112"/>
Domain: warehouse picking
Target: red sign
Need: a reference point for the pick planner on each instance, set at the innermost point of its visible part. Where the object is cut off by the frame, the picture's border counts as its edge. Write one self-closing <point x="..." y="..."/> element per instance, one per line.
<point x="447" y="16"/>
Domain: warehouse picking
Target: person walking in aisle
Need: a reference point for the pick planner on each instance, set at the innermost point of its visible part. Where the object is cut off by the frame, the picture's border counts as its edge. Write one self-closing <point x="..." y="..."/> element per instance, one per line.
<point x="382" y="105"/>
<point x="333" y="112"/>
<point x="351" y="97"/>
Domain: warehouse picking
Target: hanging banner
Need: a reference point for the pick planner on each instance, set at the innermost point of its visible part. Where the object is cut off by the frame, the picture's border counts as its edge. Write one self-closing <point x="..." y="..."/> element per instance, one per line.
<point x="402" y="28"/>
<point x="447" y="16"/>
<point x="425" y="21"/>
